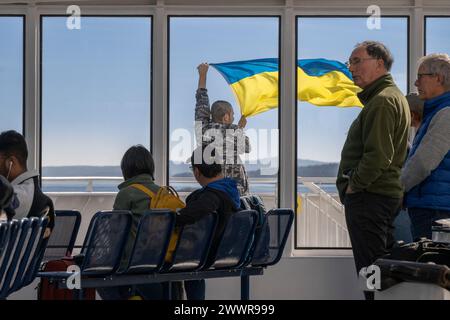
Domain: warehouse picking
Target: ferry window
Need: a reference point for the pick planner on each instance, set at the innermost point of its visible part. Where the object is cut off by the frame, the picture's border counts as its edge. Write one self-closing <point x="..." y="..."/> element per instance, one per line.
<point x="321" y="131"/>
<point x="96" y="99"/>
<point x="436" y="37"/>
<point x="11" y="73"/>
<point x="194" y="40"/>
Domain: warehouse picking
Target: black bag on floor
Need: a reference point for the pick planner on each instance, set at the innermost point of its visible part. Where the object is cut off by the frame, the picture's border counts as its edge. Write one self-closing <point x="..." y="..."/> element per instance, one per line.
<point x="262" y="232"/>
<point x="421" y="261"/>
<point x="395" y="271"/>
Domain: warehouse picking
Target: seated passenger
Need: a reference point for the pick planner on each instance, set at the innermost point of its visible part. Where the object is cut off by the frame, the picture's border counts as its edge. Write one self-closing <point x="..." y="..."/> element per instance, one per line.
<point x="13" y="165"/>
<point x="218" y="194"/>
<point x="138" y="168"/>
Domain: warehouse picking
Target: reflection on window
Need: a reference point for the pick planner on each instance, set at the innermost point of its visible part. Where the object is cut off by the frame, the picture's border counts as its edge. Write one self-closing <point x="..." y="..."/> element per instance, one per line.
<point x="95" y="99"/>
<point x="219" y="40"/>
<point x="11" y="73"/>
<point x="437" y="33"/>
<point x="321" y="131"/>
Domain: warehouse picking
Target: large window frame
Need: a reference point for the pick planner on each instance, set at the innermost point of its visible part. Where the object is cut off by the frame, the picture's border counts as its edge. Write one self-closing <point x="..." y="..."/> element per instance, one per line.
<point x="338" y="250"/>
<point x="425" y="18"/>
<point x="160" y="10"/>
<point x="92" y="15"/>
<point x="255" y="16"/>
<point x="24" y="87"/>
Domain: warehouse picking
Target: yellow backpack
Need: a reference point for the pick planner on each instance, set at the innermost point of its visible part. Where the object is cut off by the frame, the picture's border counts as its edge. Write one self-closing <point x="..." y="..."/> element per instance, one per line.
<point x="166" y="198"/>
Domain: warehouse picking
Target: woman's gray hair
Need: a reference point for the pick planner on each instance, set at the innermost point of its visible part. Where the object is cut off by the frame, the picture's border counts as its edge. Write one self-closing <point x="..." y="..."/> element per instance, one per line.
<point x="437" y="63"/>
<point x="415" y="104"/>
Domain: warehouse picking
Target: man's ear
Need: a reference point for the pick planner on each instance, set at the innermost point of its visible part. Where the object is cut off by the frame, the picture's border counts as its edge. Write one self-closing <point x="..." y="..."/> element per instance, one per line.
<point x="195" y="172"/>
<point x="440" y="79"/>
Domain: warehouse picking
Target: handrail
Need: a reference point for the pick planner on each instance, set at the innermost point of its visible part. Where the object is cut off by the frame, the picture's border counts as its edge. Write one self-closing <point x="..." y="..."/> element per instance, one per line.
<point x="309" y="182"/>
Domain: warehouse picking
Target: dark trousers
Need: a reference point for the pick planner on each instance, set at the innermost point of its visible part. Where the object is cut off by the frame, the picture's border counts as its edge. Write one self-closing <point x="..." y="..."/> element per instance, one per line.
<point x="422" y="220"/>
<point x="150" y="291"/>
<point x="370" y="220"/>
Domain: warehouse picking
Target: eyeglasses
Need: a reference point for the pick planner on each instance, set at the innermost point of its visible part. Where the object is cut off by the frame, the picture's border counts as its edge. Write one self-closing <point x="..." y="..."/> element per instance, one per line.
<point x="357" y="61"/>
<point x="420" y="75"/>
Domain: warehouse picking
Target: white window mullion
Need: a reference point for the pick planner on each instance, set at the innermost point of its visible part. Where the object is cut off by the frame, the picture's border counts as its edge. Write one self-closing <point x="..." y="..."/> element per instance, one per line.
<point x="160" y="139"/>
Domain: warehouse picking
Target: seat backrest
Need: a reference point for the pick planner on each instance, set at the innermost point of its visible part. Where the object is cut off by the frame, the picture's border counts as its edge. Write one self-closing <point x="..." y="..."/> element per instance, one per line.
<point x="29" y="251"/>
<point x="37" y="253"/>
<point x="236" y="240"/>
<point x="11" y="259"/>
<point x="62" y="238"/>
<point x="280" y="223"/>
<point x="152" y="241"/>
<point x="105" y="241"/>
<point x="9" y="233"/>
<point x="4" y="229"/>
<point x="194" y="244"/>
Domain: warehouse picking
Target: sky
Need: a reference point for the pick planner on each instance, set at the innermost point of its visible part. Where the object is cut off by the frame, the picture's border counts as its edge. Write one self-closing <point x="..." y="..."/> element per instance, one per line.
<point x="96" y="81"/>
<point x="11" y="73"/>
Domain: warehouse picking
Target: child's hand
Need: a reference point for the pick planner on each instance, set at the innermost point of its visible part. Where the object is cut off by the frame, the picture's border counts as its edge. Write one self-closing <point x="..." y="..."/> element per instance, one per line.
<point x="242" y="122"/>
<point x="203" y="68"/>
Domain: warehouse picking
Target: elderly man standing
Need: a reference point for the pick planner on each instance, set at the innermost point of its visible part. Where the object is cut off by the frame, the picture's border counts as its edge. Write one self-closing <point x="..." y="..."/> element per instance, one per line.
<point x="372" y="157"/>
<point x="426" y="175"/>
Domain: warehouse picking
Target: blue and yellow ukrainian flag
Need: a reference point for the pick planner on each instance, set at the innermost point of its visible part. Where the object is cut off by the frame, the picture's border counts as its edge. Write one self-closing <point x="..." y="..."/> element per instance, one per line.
<point x="320" y="82"/>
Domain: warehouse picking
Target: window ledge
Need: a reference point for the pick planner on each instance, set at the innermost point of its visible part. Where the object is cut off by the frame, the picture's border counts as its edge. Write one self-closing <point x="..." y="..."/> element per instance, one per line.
<point x="321" y="253"/>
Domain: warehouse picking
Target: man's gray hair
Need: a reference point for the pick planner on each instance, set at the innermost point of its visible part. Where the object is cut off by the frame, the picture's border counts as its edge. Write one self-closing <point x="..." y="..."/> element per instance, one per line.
<point x="415" y="104"/>
<point x="377" y="50"/>
<point x="219" y="109"/>
<point x="439" y="64"/>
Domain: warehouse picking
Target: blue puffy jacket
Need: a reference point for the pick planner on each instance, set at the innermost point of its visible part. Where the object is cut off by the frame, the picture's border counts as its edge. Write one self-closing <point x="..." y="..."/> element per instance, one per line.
<point x="434" y="191"/>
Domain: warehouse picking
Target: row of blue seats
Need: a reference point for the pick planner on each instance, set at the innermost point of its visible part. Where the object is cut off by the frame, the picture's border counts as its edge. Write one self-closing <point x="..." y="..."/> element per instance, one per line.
<point x="108" y="232"/>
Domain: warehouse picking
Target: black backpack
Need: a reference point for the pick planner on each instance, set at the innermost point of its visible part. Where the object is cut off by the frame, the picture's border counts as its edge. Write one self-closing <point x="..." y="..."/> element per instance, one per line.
<point x="262" y="232"/>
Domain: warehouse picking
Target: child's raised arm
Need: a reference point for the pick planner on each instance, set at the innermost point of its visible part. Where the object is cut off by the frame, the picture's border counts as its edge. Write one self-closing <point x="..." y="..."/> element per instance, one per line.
<point x="202" y="71"/>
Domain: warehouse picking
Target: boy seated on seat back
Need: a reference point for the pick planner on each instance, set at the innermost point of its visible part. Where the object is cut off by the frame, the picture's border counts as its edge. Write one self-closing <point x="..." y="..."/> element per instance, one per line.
<point x="13" y="165"/>
<point x="218" y="194"/>
<point x="217" y="121"/>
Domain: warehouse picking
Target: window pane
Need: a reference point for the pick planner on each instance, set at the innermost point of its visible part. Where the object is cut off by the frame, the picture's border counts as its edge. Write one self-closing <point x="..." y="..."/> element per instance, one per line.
<point x="11" y="73"/>
<point x="95" y="98"/>
<point x="219" y="40"/>
<point x="322" y="131"/>
<point x="437" y="35"/>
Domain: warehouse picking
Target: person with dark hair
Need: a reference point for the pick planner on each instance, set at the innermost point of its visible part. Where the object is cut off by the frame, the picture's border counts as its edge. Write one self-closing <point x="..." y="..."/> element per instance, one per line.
<point x="215" y="125"/>
<point x="138" y="168"/>
<point x="8" y="200"/>
<point x="373" y="154"/>
<point x="13" y="165"/>
<point x="218" y="194"/>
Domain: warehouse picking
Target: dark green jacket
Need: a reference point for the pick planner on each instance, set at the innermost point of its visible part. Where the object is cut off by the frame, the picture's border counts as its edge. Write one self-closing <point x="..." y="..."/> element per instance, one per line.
<point x="137" y="202"/>
<point x="375" y="149"/>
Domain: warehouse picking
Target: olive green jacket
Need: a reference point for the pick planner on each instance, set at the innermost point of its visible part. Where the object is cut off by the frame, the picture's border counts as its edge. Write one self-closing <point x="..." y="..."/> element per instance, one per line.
<point x="376" y="145"/>
<point x="136" y="201"/>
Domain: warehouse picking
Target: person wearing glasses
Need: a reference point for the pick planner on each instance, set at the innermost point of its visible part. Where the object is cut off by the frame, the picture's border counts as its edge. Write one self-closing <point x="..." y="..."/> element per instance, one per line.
<point x="373" y="154"/>
<point x="426" y="174"/>
<point x="13" y="166"/>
